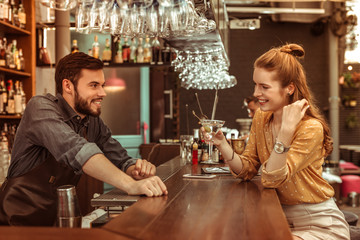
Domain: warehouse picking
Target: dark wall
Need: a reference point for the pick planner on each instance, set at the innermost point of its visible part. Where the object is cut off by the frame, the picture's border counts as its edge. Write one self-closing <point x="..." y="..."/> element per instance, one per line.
<point x="245" y="47"/>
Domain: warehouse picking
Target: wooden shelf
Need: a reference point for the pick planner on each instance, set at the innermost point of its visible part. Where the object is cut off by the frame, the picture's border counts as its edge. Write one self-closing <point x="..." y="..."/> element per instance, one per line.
<point x="9" y="71"/>
<point x="11" y="29"/>
<point x="10" y="117"/>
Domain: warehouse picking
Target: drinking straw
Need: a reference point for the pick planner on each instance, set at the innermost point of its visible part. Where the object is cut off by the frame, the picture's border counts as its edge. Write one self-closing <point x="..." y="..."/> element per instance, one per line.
<point x="214" y="106"/>
<point x="198" y="102"/>
<point x="187" y="119"/>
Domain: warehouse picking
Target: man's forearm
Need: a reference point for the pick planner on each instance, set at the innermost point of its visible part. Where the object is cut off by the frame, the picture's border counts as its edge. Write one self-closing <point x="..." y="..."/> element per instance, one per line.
<point x="99" y="167"/>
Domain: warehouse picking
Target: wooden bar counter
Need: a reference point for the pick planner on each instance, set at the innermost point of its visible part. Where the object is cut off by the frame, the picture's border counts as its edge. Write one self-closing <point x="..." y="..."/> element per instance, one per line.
<point x="218" y="208"/>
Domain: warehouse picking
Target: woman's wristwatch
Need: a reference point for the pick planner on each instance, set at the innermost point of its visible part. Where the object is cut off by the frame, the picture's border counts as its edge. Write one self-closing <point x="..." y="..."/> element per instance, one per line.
<point x="279" y="147"/>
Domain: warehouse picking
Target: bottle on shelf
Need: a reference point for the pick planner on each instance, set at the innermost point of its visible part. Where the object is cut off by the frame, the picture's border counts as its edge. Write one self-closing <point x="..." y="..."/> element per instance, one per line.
<point x="23" y="98"/>
<point x="15" y="14"/>
<point x="133" y="50"/>
<point x="4" y="156"/>
<point x="106" y="55"/>
<point x="6" y="11"/>
<point x="95" y="47"/>
<point x="13" y="55"/>
<point x="140" y="52"/>
<point x="126" y="50"/>
<point x="1" y="9"/>
<point x="10" y="109"/>
<point x="166" y="53"/>
<point x="3" y="97"/>
<point x="17" y="99"/>
<point x="156" y="51"/>
<point x="74" y="47"/>
<point x="21" y="60"/>
<point x="2" y="54"/>
<point x="147" y="50"/>
<point x="22" y="15"/>
<point x="11" y="12"/>
<point x="119" y="54"/>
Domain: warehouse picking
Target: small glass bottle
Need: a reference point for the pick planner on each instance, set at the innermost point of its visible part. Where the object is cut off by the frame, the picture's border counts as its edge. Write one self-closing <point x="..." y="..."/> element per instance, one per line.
<point x="22" y="15"/>
<point x="106" y="55"/>
<point x="140" y="52"/>
<point x="21" y="60"/>
<point x="194" y="148"/>
<point x="205" y="151"/>
<point x="74" y="47"/>
<point x="126" y="50"/>
<point x="119" y="55"/>
<point x="156" y="51"/>
<point x="147" y="50"/>
<point x="133" y="50"/>
<point x="95" y="47"/>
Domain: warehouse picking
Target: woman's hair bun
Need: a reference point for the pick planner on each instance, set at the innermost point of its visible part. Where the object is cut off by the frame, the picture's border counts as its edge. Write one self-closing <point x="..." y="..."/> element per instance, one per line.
<point x="293" y="49"/>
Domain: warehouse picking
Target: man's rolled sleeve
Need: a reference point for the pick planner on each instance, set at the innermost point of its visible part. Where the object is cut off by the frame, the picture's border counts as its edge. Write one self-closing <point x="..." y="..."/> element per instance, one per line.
<point x="127" y="164"/>
<point x="86" y="152"/>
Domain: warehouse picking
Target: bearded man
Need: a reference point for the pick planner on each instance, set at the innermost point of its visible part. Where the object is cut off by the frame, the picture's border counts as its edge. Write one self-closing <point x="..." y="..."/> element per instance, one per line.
<point x="60" y="137"/>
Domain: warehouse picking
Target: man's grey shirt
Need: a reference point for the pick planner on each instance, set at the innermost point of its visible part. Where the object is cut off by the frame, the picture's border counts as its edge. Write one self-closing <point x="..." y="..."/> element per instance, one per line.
<point x="50" y="126"/>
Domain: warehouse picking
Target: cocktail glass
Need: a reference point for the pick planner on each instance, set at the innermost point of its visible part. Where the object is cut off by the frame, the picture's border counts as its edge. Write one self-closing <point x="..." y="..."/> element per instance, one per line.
<point x="211" y="127"/>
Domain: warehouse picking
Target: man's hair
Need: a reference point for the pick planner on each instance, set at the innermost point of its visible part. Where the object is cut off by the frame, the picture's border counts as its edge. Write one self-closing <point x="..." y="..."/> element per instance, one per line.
<point x="250" y="99"/>
<point x="70" y="66"/>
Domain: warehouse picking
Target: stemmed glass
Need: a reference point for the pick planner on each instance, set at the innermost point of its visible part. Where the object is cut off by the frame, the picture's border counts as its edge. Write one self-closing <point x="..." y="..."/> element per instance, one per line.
<point x="211" y="127"/>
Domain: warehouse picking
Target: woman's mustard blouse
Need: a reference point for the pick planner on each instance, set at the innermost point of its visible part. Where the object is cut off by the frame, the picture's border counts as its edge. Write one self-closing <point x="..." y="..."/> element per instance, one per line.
<point x="300" y="180"/>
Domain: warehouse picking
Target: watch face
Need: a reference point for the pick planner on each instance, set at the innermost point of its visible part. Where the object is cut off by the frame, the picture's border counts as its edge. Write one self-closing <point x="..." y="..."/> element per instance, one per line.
<point x="279" y="147"/>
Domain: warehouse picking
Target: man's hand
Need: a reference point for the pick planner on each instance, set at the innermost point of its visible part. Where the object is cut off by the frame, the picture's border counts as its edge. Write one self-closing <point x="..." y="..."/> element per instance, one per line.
<point x="142" y="169"/>
<point x="151" y="187"/>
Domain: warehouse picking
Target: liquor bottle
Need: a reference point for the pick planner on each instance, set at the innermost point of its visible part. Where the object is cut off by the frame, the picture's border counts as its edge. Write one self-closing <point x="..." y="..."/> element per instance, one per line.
<point x="119" y="55"/>
<point x="126" y="50"/>
<point x="195" y="156"/>
<point x="21" y="60"/>
<point x="156" y="51"/>
<point x="15" y="15"/>
<point x="95" y="47"/>
<point x="166" y="53"/>
<point x="74" y="47"/>
<point x="140" y="52"/>
<point x="10" y="101"/>
<point x="1" y="94"/>
<point x="6" y="11"/>
<point x="11" y="12"/>
<point x="2" y="54"/>
<point x="3" y="97"/>
<point x="22" y="15"/>
<point x="5" y="154"/>
<point x="14" y="55"/>
<point x="17" y="99"/>
<point x="133" y="50"/>
<point x="147" y="50"/>
<point x="106" y="55"/>
<point x="23" y="98"/>
<point x="1" y="9"/>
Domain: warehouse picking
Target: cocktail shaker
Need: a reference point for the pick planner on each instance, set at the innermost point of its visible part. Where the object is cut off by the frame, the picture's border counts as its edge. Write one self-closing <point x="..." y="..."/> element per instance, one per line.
<point x="68" y="210"/>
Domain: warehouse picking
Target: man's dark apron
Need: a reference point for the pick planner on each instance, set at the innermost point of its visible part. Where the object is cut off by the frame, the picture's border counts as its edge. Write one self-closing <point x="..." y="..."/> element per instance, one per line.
<point x="30" y="199"/>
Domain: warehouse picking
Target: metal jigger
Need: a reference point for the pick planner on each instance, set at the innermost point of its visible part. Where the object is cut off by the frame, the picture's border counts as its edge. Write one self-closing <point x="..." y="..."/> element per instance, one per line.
<point x="68" y="210"/>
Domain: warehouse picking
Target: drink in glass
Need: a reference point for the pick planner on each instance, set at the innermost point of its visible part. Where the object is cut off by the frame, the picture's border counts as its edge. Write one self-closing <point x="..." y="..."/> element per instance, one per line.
<point x="211" y="127"/>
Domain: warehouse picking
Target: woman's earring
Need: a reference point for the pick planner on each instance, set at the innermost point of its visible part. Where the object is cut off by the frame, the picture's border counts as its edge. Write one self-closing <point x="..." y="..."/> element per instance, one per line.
<point x="289" y="94"/>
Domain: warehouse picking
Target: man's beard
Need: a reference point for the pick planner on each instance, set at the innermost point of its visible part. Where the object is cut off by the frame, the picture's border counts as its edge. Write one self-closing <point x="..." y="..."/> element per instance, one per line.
<point x="82" y="107"/>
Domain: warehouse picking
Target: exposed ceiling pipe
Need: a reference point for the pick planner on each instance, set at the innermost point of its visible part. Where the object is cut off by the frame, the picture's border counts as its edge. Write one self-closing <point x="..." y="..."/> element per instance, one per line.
<point x="272" y="10"/>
